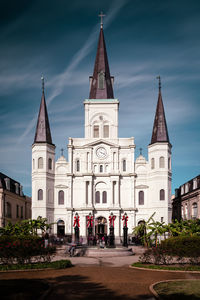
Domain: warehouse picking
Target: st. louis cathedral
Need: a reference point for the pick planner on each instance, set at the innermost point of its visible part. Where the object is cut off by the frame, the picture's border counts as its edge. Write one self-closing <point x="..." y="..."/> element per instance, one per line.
<point x="102" y="176"/>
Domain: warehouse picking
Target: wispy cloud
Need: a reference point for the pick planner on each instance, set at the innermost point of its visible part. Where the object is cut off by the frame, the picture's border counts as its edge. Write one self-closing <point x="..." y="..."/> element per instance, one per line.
<point x="59" y="81"/>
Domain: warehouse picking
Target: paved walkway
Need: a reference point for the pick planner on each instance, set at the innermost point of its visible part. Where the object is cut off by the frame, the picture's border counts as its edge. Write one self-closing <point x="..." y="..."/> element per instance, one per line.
<point x="96" y="278"/>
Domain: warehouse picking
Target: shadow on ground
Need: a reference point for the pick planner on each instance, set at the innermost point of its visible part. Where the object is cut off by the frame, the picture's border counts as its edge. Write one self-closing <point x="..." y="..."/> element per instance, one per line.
<point x="63" y="287"/>
<point x="79" y="287"/>
<point x="26" y="289"/>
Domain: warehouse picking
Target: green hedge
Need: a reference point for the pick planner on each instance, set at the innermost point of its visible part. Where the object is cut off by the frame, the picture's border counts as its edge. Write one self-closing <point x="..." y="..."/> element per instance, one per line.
<point x="182" y="246"/>
<point x="23" y="250"/>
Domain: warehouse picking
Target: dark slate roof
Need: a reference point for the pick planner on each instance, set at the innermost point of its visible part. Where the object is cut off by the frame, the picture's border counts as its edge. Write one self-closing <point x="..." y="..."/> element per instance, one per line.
<point x="160" y="133"/>
<point x="101" y="64"/>
<point x="43" y="132"/>
<point x="12" y="183"/>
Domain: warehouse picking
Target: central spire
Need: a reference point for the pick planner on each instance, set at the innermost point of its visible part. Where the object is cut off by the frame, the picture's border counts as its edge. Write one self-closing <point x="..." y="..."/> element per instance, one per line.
<point x="101" y="81"/>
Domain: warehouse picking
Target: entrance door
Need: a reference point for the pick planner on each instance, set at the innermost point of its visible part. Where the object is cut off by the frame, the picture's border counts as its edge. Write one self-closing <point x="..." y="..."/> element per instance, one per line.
<point x="100" y="227"/>
<point x="60" y="228"/>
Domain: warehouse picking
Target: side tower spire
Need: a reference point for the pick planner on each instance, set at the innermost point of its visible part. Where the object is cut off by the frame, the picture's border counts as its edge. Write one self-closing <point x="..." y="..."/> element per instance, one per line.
<point x="101" y="81"/>
<point x="160" y="132"/>
<point x="43" y="132"/>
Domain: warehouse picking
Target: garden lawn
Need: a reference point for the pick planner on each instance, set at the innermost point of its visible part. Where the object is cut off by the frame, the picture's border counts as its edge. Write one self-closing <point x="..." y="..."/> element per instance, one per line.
<point x="167" y="267"/>
<point x="188" y="289"/>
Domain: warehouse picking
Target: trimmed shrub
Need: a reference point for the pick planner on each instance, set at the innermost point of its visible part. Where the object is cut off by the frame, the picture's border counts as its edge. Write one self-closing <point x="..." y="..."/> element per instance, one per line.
<point x="23" y="250"/>
<point x="182" y="246"/>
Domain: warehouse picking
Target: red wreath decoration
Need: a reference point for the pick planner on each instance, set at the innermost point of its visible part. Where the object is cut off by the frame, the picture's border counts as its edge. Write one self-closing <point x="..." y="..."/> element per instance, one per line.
<point x="76" y="221"/>
<point x="90" y="221"/>
<point x="125" y="219"/>
<point x="112" y="220"/>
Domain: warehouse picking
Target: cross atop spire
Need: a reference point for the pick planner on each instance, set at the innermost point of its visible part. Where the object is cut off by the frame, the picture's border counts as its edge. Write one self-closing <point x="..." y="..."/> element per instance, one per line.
<point x="140" y="151"/>
<point x="159" y="82"/>
<point x="101" y="15"/>
<point x="61" y="150"/>
<point x="42" y="78"/>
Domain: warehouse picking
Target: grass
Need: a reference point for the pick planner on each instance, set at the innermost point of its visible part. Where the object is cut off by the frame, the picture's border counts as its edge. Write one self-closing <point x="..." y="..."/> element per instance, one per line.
<point x="60" y="264"/>
<point x="159" y="267"/>
<point x="187" y="289"/>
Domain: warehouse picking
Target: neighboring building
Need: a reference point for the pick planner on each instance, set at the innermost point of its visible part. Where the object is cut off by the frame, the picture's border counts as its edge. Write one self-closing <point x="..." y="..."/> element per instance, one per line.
<point x="101" y="175"/>
<point x="186" y="204"/>
<point x="14" y="205"/>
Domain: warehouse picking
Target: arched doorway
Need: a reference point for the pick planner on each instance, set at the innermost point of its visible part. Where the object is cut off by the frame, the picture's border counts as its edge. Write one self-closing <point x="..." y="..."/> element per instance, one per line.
<point x="100" y="227"/>
<point x="60" y="228"/>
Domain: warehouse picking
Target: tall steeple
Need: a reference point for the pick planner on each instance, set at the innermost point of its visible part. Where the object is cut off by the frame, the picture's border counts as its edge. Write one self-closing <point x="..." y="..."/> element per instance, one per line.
<point x="101" y="81"/>
<point x="43" y="132"/>
<point x="160" y="133"/>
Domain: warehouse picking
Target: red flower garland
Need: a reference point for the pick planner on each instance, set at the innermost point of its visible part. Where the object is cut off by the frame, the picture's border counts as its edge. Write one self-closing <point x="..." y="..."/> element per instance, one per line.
<point x="76" y="221"/>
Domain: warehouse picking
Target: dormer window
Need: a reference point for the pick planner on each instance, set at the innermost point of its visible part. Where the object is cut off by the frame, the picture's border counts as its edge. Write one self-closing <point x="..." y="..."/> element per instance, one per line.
<point x="7" y="181"/>
<point x="101" y="80"/>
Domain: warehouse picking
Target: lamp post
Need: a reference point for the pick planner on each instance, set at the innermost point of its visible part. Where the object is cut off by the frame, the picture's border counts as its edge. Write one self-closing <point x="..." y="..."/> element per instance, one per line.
<point x="125" y="230"/>
<point x="90" y="227"/>
<point x="76" y="227"/>
<point x="112" y="233"/>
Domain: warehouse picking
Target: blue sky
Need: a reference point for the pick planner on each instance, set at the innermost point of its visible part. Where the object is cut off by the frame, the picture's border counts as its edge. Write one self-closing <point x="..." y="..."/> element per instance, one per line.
<point x="59" y="39"/>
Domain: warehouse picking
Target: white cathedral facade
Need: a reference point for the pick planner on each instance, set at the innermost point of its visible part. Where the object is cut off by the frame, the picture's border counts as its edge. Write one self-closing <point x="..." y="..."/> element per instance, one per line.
<point x="101" y="175"/>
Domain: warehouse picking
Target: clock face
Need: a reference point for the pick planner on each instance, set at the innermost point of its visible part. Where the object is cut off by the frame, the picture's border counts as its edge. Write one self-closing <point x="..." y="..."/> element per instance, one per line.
<point x="101" y="152"/>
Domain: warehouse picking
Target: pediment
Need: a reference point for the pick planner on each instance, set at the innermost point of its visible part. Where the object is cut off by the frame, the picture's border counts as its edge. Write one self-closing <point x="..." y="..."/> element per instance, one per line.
<point x="142" y="186"/>
<point x="101" y="141"/>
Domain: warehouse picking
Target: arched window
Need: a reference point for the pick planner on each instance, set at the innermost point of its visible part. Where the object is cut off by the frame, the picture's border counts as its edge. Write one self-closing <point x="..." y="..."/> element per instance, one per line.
<point x="162" y="194"/>
<point x="50" y="163"/>
<point x="104" y="197"/>
<point x="162" y="162"/>
<point x="40" y="163"/>
<point x="40" y="194"/>
<point x="186" y="211"/>
<point x="101" y="80"/>
<point x="169" y="163"/>
<point x="101" y="169"/>
<point x="141" y="198"/>
<point x="106" y="131"/>
<point x="97" y="197"/>
<point x="124" y="165"/>
<point x="152" y="163"/>
<point x="61" y="197"/>
<point x="33" y="163"/>
<point x="96" y="131"/>
<point x="78" y="165"/>
<point x="194" y="210"/>
<point x="8" y="210"/>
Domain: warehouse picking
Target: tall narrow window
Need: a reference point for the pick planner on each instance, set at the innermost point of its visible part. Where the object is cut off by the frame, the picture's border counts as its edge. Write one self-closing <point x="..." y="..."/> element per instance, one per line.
<point x="78" y="165"/>
<point x="186" y="211"/>
<point x="141" y="198"/>
<point x="162" y="162"/>
<point x="194" y="210"/>
<point x="162" y="194"/>
<point x="124" y="165"/>
<point x="169" y="163"/>
<point x="33" y="164"/>
<point x="96" y="131"/>
<point x="17" y="211"/>
<point x="152" y="163"/>
<point x="22" y="212"/>
<point x="101" y="80"/>
<point x="50" y="164"/>
<point x="40" y="194"/>
<point x="101" y="169"/>
<point x="40" y="163"/>
<point x="86" y="191"/>
<point x="61" y="197"/>
<point x="97" y="197"/>
<point x="106" y="131"/>
<point x="104" y="197"/>
<point x="8" y="210"/>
